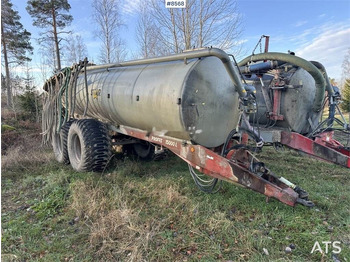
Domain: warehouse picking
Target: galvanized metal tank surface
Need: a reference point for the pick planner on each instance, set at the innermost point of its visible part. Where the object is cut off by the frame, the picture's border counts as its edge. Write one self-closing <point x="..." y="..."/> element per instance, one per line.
<point x="296" y="103"/>
<point x="195" y="100"/>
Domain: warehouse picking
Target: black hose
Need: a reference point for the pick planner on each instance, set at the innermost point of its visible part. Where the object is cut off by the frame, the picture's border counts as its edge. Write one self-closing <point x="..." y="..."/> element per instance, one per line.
<point x="229" y="137"/>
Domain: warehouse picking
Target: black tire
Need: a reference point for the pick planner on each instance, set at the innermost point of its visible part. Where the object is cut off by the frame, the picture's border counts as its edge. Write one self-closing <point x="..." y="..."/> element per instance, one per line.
<point x="59" y="143"/>
<point x="88" y="145"/>
<point x="144" y="151"/>
<point x="57" y="147"/>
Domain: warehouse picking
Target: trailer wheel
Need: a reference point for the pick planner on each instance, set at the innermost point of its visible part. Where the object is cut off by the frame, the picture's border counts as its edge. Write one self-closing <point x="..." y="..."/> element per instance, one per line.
<point x="88" y="145"/>
<point x="144" y="150"/>
<point x="59" y="143"/>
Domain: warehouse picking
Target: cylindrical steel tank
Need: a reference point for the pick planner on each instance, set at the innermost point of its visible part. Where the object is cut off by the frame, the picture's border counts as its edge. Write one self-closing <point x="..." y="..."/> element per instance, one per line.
<point x="296" y="103"/>
<point x="193" y="99"/>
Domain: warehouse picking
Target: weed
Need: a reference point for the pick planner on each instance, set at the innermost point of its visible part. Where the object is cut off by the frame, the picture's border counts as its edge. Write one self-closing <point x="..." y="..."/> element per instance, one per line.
<point x="51" y="204"/>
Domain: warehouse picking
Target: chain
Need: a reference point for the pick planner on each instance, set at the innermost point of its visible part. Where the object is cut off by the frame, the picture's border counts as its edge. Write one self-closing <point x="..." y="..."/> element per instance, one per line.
<point x="257" y="44"/>
<point x="260" y="45"/>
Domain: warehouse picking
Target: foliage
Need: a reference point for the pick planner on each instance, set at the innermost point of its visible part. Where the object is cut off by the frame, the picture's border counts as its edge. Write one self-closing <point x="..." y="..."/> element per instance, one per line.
<point x="15" y="42"/>
<point x="13" y="35"/>
<point x="346" y="67"/>
<point x="53" y="15"/>
<point x="41" y="11"/>
<point x="5" y="127"/>
<point x="29" y="103"/>
<point x="51" y="204"/>
<point x="345" y="105"/>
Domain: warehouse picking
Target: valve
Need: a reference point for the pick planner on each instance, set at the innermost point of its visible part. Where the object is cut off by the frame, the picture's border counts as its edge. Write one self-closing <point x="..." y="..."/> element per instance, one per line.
<point x="249" y="101"/>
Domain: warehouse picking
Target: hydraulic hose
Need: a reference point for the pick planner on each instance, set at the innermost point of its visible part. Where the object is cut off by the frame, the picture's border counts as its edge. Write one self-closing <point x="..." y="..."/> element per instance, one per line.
<point x="330" y="92"/>
<point x="320" y="82"/>
<point x="320" y="67"/>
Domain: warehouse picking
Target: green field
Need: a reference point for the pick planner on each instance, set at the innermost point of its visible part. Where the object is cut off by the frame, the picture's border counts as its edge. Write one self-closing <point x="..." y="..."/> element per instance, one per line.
<point x="152" y="211"/>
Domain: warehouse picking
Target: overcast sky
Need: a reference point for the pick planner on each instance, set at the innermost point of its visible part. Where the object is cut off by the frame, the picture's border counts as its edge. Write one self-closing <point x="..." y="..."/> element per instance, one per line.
<point x="314" y="29"/>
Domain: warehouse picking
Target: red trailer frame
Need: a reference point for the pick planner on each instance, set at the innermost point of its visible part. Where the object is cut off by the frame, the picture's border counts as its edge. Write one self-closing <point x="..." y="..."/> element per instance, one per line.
<point x="323" y="147"/>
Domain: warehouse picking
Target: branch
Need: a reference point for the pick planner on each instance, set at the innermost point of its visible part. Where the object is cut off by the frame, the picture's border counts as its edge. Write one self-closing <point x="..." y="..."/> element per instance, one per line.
<point x="64" y="32"/>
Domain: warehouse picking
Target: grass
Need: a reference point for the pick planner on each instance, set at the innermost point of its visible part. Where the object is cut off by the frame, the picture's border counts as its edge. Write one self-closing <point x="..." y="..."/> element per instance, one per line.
<point x="152" y="211"/>
<point x="346" y="115"/>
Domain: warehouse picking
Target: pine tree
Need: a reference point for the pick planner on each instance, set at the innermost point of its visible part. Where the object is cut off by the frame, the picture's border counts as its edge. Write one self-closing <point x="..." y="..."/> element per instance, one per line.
<point x="15" y="41"/>
<point x="53" y="15"/>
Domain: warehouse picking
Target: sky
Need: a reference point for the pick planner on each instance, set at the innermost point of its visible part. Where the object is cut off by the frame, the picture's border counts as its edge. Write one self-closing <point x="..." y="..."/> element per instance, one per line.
<point x="316" y="30"/>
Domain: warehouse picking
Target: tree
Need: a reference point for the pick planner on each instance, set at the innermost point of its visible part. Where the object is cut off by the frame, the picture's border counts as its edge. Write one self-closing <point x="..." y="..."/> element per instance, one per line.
<point x="345" y="105"/>
<point x="15" y="41"/>
<point x="345" y="83"/>
<point x="47" y="59"/>
<point x="28" y="79"/>
<point x="108" y="18"/>
<point x="76" y="49"/>
<point x="3" y="84"/>
<point x="53" y="15"/>
<point x="29" y="104"/>
<point x="26" y="97"/>
<point x="202" y="23"/>
<point x="346" y="68"/>
<point x="146" y="34"/>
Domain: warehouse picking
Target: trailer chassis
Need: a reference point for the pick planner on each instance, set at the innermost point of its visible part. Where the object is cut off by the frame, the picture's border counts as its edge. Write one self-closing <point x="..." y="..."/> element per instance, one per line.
<point x="234" y="168"/>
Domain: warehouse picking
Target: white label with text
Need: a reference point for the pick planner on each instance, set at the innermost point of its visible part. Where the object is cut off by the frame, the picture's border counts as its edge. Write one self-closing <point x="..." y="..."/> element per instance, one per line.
<point x="175" y="3"/>
<point x="171" y="143"/>
<point x="157" y="139"/>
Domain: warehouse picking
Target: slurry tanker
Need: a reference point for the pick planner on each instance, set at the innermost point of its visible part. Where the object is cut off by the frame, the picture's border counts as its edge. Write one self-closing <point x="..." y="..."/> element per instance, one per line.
<point x="200" y="104"/>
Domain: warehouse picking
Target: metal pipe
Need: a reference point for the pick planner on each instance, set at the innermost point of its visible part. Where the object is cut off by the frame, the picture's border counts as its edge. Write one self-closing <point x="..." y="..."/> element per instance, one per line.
<point x="320" y="82"/>
<point x="267" y="41"/>
<point x="231" y="70"/>
<point x="246" y="69"/>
